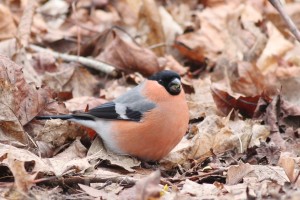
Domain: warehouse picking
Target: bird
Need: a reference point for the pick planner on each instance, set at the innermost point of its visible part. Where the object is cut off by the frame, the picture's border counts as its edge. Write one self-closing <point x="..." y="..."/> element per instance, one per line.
<point x="146" y="122"/>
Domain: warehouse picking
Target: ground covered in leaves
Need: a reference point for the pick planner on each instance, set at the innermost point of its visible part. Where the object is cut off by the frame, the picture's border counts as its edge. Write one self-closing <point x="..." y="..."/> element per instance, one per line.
<point x="240" y="68"/>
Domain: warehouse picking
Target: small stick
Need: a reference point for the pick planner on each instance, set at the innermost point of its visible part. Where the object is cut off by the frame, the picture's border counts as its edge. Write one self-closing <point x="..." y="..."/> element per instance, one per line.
<point x="290" y="24"/>
<point x="122" y="180"/>
<point x="91" y="63"/>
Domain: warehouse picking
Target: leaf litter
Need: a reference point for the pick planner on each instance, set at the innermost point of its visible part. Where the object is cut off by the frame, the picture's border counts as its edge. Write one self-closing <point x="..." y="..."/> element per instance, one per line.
<point x="239" y="67"/>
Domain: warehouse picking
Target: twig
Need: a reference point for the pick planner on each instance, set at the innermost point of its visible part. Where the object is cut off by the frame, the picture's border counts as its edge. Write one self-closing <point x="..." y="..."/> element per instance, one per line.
<point x="290" y="24"/>
<point x="157" y="45"/>
<point x="195" y="177"/>
<point x="122" y="180"/>
<point x="94" y="64"/>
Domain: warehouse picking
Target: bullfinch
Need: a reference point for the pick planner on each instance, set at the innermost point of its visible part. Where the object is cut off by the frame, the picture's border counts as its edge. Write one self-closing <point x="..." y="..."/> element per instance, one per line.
<point x="147" y="122"/>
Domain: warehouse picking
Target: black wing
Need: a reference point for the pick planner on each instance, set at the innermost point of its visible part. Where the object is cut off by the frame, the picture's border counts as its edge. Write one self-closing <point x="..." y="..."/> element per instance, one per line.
<point x="109" y="111"/>
<point x="104" y="111"/>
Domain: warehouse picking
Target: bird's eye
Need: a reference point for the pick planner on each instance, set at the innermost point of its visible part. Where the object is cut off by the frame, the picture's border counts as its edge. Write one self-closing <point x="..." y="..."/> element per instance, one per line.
<point x="174" y="86"/>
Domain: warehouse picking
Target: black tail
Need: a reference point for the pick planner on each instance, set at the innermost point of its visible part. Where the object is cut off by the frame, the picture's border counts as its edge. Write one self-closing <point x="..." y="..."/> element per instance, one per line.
<point x="63" y="117"/>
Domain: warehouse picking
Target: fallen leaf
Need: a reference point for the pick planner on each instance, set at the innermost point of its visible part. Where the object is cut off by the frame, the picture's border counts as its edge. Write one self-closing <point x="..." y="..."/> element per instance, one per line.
<point x="291" y="9"/>
<point x="288" y="165"/>
<point x="46" y="150"/>
<point x="37" y="163"/>
<point x="56" y="8"/>
<point x="8" y="27"/>
<point x="225" y="102"/>
<point x="265" y="172"/>
<point x="199" y="190"/>
<point x="98" y="151"/>
<point x="94" y="192"/>
<point x="72" y="78"/>
<point x="235" y="174"/>
<point x="128" y="56"/>
<point x="73" y="159"/>
<point x="281" y="116"/>
<point x="149" y="14"/>
<point x="114" y="89"/>
<point x="80" y="103"/>
<point x="269" y="151"/>
<point x="218" y="136"/>
<point x="201" y="103"/>
<point x="170" y="27"/>
<point x="178" y="155"/>
<point x="23" y="180"/>
<point x="20" y="101"/>
<point x="145" y="188"/>
<point x="57" y="132"/>
<point x="289" y="88"/>
<point x="215" y="136"/>
<point x="277" y="45"/>
<point x="246" y="79"/>
<point x="43" y="62"/>
<point x="169" y="62"/>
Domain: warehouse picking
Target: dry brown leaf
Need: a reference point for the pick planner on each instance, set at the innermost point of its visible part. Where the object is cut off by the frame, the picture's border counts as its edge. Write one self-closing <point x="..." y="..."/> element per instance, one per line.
<point x="129" y="10"/>
<point x="206" y="42"/>
<point x="35" y="127"/>
<point x="44" y="62"/>
<point x="114" y="89"/>
<point x="22" y="40"/>
<point x="288" y="164"/>
<point x="246" y="79"/>
<point x="292" y="10"/>
<point x="199" y="190"/>
<point x="266" y="172"/>
<point x="56" y="8"/>
<point x="235" y="174"/>
<point x="146" y="188"/>
<point x="169" y="62"/>
<point x="37" y="164"/>
<point x="20" y="102"/>
<point x="226" y="103"/>
<point x="24" y="27"/>
<point x="27" y="99"/>
<point x="46" y="150"/>
<point x="277" y="46"/>
<point x="98" y="151"/>
<point x="216" y="136"/>
<point x="281" y="116"/>
<point x="238" y="191"/>
<point x="178" y="155"/>
<point x="71" y="160"/>
<point x="149" y="13"/>
<point x="269" y="151"/>
<point x="57" y="132"/>
<point x="219" y="136"/>
<point x="11" y="128"/>
<point x="128" y="56"/>
<point x="81" y="103"/>
<point x="245" y="34"/>
<point x="71" y="78"/>
<point x="171" y="29"/>
<point x="201" y="103"/>
<point x="95" y="193"/>
<point x="23" y="179"/>
<point x="8" y="27"/>
<point x="289" y="81"/>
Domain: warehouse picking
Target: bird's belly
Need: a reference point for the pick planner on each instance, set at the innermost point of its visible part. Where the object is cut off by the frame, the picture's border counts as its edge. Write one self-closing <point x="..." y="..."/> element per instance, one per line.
<point x="150" y="142"/>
